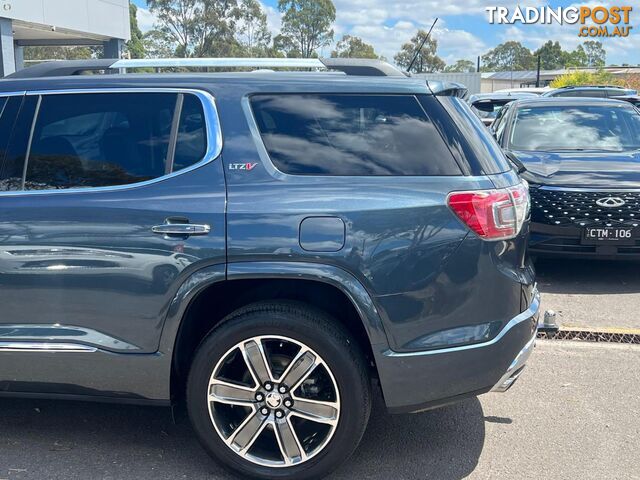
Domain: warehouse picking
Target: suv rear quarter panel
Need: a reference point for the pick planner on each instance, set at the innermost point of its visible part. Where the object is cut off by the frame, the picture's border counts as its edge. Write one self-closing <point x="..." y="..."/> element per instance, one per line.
<point x="419" y="263"/>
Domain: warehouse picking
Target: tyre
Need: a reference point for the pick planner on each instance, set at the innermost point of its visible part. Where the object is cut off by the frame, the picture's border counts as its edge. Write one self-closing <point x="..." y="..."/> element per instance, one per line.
<point x="279" y="391"/>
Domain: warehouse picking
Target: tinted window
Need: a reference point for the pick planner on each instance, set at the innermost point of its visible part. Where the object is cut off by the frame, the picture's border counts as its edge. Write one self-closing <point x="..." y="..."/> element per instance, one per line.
<point x="191" y="144"/>
<point x="585" y="127"/>
<point x="595" y="93"/>
<point x="351" y="135"/>
<point x="15" y="127"/>
<point x="95" y="140"/>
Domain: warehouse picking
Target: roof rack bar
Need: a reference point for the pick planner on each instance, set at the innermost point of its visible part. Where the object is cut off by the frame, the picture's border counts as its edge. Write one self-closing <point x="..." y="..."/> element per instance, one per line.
<point x="348" y="66"/>
<point x="220" y="63"/>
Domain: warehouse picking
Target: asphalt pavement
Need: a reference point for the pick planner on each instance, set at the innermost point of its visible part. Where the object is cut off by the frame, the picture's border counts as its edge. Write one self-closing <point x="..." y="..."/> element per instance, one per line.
<point x="591" y="294"/>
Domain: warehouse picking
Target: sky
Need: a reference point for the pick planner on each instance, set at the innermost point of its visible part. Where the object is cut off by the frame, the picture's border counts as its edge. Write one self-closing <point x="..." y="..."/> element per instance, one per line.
<point x="463" y="30"/>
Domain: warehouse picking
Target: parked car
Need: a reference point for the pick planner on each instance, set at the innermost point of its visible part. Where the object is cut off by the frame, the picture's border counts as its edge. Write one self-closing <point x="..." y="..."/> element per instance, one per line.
<point x="536" y="90"/>
<point x="321" y="230"/>
<point x="488" y="105"/>
<point x="594" y="91"/>
<point x="632" y="99"/>
<point x="581" y="157"/>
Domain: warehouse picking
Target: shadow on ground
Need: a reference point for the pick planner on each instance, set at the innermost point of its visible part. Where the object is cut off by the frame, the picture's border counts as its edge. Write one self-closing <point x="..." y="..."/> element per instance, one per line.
<point x="69" y="440"/>
<point x="590" y="277"/>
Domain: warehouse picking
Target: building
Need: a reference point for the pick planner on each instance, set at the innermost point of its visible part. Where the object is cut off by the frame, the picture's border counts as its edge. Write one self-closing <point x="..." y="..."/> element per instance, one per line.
<point x="494" y="81"/>
<point x="60" y="23"/>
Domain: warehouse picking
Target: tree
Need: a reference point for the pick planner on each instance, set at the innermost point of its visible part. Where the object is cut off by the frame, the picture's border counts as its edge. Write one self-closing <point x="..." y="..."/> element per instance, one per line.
<point x="596" y="54"/>
<point x="578" y="78"/>
<point x="508" y="56"/>
<point x="57" y="53"/>
<point x="306" y="25"/>
<point x="196" y="28"/>
<point x="461" y="66"/>
<point x="353" y="47"/>
<point x="135" y="46"/>
<point x="427" y="60"/>
<point x="552" y="57"/>
<point x="577" y="58"/>
<point x="252" y="30"/>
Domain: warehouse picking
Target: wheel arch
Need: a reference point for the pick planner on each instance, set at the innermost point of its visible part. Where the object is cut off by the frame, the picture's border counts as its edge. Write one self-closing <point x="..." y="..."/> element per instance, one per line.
<point x="327" y="288"/>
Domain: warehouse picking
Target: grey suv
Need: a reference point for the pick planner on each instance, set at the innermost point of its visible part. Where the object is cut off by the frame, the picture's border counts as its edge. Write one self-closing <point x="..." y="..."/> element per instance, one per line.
<point x="261" y="245"/>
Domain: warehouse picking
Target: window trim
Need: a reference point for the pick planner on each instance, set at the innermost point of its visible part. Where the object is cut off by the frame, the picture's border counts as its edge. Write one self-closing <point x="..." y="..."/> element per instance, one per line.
<point x="274" y="171"/>
<point x="212" y="127"/>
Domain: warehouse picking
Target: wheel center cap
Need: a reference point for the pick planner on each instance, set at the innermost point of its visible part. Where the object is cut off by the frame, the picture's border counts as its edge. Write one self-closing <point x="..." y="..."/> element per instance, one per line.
<point x="274" y="400"/>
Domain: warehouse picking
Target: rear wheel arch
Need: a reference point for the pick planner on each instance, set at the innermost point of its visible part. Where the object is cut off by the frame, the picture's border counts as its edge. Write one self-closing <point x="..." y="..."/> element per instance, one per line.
<point x="214" y="301"/>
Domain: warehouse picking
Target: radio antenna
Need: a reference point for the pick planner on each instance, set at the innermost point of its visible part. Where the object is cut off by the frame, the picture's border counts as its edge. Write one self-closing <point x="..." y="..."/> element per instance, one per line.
<point x="419" y="50"/>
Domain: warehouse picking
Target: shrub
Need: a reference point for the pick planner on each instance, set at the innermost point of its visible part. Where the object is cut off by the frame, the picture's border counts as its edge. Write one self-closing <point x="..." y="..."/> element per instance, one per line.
<point x="580" y="78"/>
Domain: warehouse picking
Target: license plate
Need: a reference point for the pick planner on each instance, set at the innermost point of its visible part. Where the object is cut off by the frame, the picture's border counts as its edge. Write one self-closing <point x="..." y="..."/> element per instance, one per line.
<point x="619" y="235"/>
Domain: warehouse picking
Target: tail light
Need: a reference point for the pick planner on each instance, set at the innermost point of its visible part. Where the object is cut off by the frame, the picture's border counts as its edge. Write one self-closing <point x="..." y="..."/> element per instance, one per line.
<point x="497" y="214"/>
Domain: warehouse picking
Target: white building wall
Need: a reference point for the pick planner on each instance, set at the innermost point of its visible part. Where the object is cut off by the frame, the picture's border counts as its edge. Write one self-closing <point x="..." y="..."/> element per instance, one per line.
<point x="96" y="18"/>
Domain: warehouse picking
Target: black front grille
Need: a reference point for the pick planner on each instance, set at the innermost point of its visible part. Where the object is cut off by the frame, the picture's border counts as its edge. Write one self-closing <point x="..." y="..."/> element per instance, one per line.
<point x="580" y="209"/>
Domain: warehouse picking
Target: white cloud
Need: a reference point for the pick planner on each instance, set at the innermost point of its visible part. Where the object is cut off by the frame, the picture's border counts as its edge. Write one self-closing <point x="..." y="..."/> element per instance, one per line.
<point x="146" y="19"/>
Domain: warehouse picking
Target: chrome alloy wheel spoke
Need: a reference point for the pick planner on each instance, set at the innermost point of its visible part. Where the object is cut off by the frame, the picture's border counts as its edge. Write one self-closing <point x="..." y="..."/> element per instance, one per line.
<point x="321" y="412"/>
<point x="256" y="360"/>
<point x="231" y="394"/>
<point x="290" y="447"/>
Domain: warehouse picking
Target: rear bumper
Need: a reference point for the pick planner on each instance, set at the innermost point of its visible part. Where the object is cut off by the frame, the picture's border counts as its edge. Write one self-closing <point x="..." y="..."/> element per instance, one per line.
<point x="417" y="381"/>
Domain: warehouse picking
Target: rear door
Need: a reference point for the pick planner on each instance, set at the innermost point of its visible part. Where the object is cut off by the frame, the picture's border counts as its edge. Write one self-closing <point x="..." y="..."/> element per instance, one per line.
<point x="108" y="201"/>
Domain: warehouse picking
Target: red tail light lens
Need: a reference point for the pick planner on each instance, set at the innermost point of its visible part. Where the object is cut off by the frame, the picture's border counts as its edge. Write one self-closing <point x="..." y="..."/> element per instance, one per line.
<point x="493" y="214"/>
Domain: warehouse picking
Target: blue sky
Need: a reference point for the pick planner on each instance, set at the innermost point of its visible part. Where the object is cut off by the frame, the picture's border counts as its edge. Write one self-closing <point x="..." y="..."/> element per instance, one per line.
<point x="462" y="32"/>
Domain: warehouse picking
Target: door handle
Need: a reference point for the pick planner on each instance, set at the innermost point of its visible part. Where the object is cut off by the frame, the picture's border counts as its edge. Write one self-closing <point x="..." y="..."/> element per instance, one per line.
<point x="181" y="229"/>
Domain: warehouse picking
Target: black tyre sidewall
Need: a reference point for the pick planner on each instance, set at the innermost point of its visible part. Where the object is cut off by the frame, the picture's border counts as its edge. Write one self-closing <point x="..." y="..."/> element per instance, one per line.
<point x="335" y="347"/>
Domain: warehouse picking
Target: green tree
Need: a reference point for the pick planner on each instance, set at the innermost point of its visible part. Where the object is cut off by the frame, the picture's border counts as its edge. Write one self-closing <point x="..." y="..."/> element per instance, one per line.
<point x="135" y="46"/>
<point x="306" y="26"/>
<point x="508" y="56"/>
<point x="596" y="54"/>
<point x="427" y="61"/>
<point x="35" y="54"/>
<point x="576" y="58"/>
<point x="353" y="47"/>
<point x="196" y="28"/>
<point x="461" y="66"/>
<point x="552" y="57"/>
<point x="252" y="31"/>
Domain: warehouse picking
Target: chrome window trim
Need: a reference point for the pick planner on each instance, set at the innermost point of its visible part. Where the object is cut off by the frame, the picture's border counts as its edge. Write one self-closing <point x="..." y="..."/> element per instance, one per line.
<point x="19" y="93"/>
<point x="212" y="120"/>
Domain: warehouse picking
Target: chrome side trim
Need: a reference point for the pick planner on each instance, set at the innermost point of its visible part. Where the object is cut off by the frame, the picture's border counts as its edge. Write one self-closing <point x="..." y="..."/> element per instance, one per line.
<point x="44" y="347"/>
<point x="524" y="316"/>
<point x="214" y="137"/>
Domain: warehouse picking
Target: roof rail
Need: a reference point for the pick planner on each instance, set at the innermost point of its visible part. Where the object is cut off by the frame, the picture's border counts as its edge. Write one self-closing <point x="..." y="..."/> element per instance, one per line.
<point x="349" y="66"/>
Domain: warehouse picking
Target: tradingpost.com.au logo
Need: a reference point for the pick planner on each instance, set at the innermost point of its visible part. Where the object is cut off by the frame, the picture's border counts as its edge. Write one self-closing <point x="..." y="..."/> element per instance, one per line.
<point x="594" y="21"/>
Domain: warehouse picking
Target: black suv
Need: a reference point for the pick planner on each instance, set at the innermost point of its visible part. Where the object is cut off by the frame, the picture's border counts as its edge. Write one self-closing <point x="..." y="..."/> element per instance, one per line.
<point x="260" y="244"/>
<point x="581" y="157"/>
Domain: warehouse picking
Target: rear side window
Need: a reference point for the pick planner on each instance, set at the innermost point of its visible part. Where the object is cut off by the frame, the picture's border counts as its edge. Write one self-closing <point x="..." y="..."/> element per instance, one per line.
<point x="359" y="135"/>
<point x="15" y="126"/>
<point x="110" y="139"/>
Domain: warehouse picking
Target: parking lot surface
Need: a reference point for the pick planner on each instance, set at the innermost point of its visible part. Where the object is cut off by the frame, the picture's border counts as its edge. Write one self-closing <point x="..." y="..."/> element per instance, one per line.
<point x="574" y="414"/>
<point x="591" y="294"/>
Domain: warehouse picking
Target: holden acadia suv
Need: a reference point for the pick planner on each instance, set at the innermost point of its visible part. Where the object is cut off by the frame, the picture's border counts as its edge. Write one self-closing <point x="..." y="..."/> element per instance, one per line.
<point x="261" y="245"/>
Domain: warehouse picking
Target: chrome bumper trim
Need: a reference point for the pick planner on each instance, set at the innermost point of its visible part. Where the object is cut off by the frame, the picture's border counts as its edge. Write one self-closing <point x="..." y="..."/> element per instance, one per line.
<point x="523" y="317"/>
<point x="516" y="367"/>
